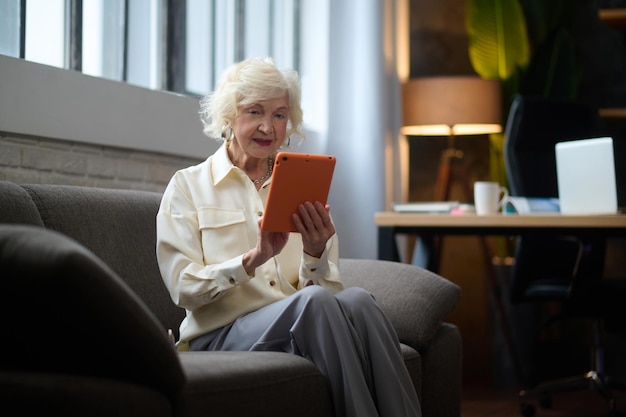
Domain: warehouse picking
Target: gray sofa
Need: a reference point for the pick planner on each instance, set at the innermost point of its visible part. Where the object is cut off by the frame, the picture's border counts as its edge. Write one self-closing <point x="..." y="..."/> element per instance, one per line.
<point x="85" y="317"/>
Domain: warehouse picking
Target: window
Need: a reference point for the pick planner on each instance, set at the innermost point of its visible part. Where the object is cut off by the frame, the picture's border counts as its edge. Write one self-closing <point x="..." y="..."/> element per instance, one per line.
<point x="10" y="28"/>
<point x="144" y="50"/>
<point x="219" y="33"/>
<point x="103" y="28"/>
<point x="176" y="45"/>
<point x="45" y="32"/>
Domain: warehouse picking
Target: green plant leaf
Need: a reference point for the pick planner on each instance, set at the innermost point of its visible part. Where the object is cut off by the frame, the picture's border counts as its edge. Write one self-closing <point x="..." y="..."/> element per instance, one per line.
<point x="555" y="70"/>
<point x="498" y="39"/>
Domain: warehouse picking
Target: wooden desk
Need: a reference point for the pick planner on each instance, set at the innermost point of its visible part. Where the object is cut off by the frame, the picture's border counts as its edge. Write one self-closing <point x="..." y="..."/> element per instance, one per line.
<point x="428" y="225"/>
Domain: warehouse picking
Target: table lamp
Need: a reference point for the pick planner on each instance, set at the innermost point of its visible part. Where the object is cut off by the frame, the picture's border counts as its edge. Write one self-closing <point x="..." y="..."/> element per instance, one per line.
<point x="451" y="106"/>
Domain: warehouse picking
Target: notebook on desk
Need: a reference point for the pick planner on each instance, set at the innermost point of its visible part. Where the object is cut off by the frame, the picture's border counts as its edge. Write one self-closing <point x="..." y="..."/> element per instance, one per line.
<point x="425" y="207"/>
<point x="586" y="176"/>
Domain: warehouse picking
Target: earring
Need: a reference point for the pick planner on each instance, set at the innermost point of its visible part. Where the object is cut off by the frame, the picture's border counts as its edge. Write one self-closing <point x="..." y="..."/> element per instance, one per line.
<point x="231" y="135"/>
<point x="287" y="145"/>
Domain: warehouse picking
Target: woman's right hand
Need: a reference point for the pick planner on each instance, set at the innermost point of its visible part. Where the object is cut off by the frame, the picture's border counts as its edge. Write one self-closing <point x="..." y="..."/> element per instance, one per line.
<point x="268" y="245"/>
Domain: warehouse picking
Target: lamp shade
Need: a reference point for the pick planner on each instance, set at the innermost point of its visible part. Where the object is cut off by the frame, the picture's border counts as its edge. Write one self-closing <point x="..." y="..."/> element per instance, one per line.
<point x="451" y="105"/>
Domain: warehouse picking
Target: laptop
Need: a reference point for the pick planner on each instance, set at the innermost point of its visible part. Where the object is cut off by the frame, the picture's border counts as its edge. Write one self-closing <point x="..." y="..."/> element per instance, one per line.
<point x="586" y="176"/>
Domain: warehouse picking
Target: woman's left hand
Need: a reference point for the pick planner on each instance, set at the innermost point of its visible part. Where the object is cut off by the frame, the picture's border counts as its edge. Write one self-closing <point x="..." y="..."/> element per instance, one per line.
<point x="315" y="226"/>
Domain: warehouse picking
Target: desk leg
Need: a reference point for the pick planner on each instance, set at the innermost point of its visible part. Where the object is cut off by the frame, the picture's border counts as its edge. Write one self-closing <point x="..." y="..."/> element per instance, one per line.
<point x="425" y="253"/>
<point x="387" y="247"/>
<point x="496" y="294"/>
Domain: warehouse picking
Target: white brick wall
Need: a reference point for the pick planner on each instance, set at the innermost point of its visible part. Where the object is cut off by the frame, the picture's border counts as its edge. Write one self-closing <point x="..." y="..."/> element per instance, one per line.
<point x="49" y="161"/>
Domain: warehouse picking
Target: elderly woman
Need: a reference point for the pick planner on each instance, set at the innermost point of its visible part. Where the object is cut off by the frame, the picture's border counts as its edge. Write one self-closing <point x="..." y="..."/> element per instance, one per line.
<point x="248" y="289"/>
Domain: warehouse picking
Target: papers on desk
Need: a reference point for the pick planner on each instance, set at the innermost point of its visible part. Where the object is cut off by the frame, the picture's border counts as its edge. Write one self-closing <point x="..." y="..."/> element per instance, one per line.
<point x="529" y="205"/>
<point x="425" y="207"/>
<point x="432" y="207"/>
<point x="511" y="205"/>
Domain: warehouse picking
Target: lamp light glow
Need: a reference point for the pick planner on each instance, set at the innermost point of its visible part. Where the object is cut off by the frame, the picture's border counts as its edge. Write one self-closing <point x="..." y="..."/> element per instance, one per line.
<point x="451" y="106"/>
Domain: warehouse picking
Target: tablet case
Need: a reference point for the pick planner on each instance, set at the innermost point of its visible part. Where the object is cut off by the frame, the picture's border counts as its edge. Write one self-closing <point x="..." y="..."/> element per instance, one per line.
<point x="297" y="178"/>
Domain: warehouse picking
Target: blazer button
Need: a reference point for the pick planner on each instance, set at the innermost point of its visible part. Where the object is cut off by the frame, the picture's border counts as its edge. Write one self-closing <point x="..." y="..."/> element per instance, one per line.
<point x="231" y="280"/>
<point x="272" y="283"/>
<point x="259" y="213"/>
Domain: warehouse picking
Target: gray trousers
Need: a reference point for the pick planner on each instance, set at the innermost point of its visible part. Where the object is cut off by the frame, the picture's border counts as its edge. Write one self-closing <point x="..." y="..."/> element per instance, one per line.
<point x="346" y="335"/>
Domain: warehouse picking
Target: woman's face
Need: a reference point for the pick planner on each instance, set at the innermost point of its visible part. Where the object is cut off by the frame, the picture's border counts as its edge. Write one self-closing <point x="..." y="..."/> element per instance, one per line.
<point x="260" y="128"/>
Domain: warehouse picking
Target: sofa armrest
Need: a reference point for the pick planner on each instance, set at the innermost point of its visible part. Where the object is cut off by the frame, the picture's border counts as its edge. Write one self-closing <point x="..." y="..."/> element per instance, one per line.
<point x="47" y="394"/>
<point x="415" y="300"/>
<point x="65" y="311"/>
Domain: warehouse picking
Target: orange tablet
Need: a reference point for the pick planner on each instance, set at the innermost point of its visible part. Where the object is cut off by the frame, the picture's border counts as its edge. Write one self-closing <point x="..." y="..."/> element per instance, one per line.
<point x="297" y="178"/>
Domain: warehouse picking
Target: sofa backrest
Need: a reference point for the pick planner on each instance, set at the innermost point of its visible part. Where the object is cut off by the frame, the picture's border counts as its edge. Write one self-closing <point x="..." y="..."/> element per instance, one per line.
<point x="118" y="226"/>
<point x="16" y="206"/>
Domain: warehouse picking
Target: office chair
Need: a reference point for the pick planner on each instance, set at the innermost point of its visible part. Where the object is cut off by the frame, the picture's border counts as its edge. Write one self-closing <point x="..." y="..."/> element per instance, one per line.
<point x="561" y="271"/>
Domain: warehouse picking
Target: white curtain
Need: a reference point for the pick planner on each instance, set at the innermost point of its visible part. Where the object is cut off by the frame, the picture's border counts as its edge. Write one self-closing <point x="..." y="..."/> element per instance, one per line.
<point x="362" y="113"/>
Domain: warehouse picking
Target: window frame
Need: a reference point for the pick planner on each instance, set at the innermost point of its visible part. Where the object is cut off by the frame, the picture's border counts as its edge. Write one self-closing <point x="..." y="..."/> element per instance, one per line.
<point x="233" y="36"/>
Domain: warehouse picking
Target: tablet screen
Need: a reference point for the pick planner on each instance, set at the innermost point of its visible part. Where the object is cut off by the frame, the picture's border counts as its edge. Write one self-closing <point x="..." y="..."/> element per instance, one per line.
<point x="297" y="178"/>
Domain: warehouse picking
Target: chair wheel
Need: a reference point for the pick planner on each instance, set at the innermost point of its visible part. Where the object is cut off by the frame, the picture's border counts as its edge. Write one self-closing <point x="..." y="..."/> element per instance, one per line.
<point x="545" y="401"/>
<point x="527" y="410"/>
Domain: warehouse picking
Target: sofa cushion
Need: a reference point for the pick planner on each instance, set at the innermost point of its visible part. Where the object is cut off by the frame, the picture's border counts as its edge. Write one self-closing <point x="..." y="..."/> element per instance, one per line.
<point x="416" y="300"/>
<point x="119" y="227"/>
<point x="65" y="311"/>
<point x="253" y="383"/>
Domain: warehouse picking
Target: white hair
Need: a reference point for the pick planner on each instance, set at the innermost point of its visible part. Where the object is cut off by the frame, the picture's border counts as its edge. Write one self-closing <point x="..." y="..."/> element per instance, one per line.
<point x="245" y="83"/>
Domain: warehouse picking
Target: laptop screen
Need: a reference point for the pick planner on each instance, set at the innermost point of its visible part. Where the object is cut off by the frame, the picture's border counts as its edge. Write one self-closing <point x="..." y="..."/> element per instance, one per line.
<point x="586" y="176"/>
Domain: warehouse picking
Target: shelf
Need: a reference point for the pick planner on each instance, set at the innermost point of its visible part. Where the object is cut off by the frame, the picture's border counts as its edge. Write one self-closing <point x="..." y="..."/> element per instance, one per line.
<point x="613" y="113"/>
<point x="613" y="17"/>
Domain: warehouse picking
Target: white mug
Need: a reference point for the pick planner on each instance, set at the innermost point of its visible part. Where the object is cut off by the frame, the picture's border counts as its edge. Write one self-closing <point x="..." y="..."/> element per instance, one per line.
<point x="489" y="197"/>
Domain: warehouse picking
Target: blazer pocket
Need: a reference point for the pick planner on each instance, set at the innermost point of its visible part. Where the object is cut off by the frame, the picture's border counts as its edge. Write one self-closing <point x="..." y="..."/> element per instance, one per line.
<point x="216" y="217"/>
<point x="224" y="232"/>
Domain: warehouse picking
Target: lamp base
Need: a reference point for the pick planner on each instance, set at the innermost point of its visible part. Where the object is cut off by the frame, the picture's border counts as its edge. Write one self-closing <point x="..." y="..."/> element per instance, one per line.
<point x="452" y="158"/>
